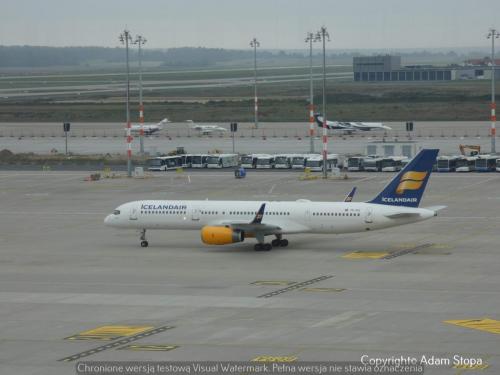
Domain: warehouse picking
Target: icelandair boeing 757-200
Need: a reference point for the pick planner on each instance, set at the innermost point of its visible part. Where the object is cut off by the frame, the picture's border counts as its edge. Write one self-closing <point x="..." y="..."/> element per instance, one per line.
<point x="227" y="222"/>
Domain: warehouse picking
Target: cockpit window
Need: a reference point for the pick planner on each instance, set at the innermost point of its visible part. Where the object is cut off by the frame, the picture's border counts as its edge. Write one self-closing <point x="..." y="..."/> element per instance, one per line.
<point x="116" y="212"/>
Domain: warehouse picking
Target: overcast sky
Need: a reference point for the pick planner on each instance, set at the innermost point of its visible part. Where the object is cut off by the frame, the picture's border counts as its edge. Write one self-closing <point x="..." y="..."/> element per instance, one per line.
<point x="278" y="24"/>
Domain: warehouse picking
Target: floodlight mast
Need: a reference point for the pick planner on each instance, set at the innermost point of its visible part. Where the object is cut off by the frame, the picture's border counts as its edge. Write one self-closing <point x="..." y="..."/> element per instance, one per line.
<point x="493" y="34"/>
<point x="125" y="38"/>
<point x="140" y="41"/>
<point x="311" y="38"/>
<point x="323" y="35"/>
<point x="255" y="43"/>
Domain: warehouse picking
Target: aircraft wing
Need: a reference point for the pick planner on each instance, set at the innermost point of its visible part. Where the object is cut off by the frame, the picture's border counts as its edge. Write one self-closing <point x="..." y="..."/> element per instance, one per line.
<point x="258" y="227"/>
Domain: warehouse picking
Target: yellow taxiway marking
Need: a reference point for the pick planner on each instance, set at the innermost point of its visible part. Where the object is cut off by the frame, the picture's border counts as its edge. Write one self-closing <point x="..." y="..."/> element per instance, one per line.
<point x="485" y="324"/>
<point x="150" y="348"/>
<point x="322" y="289"/>
<point x="273" y="282"/>
<point x="272" y="358"/>
<point x="365" y="255"/>
<point x="109" y="332"/>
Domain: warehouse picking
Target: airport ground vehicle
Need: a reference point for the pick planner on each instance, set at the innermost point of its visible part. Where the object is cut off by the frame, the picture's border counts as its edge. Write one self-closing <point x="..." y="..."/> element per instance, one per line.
<point x="447" y="163"/>
<point x="486" y="163"/>
<point x="498" y="165"/>
<point x="199" y="161"/>
<point x="249" y="161"/>
<point x="299" y="160"/>
<point x="164" y="163"/>
<point x="392" y="163"/>
<point x="315" y="163"/>
<point x="372" y="164"/>
<point x="466" y="164"/>
<point x="283" y="161"/>
<point x="186" y="160"/>
<point x="265" y="162"/>
<point x="227" y="222"/>
<point x="222" y="161"/>
<point x="355" y="163"/>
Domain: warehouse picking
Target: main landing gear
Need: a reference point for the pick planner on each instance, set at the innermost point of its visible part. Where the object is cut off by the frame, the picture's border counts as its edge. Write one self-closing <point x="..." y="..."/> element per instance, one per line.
<point x="144" y="242"/>
<point x="278" y="241"/>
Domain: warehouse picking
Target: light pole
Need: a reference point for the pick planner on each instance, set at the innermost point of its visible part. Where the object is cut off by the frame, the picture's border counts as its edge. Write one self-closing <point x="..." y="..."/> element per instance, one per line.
<point x="493" y="34"/>
<point x="323" y="35"/>
<point x="125" y="38"/>
<point x="255" y="43"/>
<point x="140" y="41"/>
<point x="310" y="39"/>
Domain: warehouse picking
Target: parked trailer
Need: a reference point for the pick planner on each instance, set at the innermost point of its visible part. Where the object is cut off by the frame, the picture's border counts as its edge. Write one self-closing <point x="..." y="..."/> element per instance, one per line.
<point x="466" y="164"/>
<point x="447" y="163"/>
<point x="315" y="163"/>
<point x="265" y="162"/>
<point x="486" y="163"/>
<point x="222" y="161"/>
<point x="164" y="163"/>
<point x="199" y="161"/>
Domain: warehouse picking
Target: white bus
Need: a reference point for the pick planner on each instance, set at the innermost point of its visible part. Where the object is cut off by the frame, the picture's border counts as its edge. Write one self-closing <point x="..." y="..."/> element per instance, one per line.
<point x="486" y="163"/>
<point x="186" y="160"/>
<point x="355" y="163"/>
<point x="498" y="165"/>
<point x="164" y="163"/>
<point x="466" y="164"/>
<point x="447" y="163"/>
<point x="222" y="161"/>
<point x="299" y="160"/>
<point x="199" y="161"/>
<point x="265" y="162"/>
<point x="283" y="161"/>
<point x="249" y="161"/>
<point x="372" y="164"/>
<point x="392" y="163"/>
<point x="315" y="163"/>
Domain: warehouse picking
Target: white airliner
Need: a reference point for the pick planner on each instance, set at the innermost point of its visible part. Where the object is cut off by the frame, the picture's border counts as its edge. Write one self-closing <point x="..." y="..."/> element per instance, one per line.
<point x="149" y="129"/>
<point x="227" y="222"/>
<point x="206" y="129"/>
<point x="350" y="126"/>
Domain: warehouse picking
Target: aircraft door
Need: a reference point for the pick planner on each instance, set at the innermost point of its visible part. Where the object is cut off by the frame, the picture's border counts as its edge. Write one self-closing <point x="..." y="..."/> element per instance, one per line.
<point x="133" y="213"/>
<point x="195" y="214"/>
<point x="369" y="215"/>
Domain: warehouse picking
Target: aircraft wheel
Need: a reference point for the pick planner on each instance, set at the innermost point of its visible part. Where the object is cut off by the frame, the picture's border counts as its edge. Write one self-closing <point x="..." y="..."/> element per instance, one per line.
<point x="267" y="247"/>
<point x="258" y="247"/>
<point x="275" y="242"/>
<point x="144" y="243"/>
<point x="284" y="243"/>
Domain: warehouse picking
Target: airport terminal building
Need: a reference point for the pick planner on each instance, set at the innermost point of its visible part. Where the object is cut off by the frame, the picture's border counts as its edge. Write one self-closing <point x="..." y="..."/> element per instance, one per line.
<point x="388" y="68"/>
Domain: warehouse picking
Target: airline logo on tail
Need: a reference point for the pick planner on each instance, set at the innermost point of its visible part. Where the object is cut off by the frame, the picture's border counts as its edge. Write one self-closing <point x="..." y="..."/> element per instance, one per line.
<point x="411" y="181"/>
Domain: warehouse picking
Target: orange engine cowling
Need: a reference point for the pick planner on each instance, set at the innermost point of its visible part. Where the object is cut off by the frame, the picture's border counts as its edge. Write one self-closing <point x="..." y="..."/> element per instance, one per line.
<point x="220" y="235"/>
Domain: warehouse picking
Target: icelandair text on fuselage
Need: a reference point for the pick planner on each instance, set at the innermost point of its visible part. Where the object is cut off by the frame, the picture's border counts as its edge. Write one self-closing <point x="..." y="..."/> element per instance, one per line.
<point x="163" y="207"/>
<point x="399" y="200"/>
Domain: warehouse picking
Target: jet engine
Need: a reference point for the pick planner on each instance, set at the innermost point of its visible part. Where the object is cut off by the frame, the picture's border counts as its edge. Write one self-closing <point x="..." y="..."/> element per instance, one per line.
<point x="212" y="235"/>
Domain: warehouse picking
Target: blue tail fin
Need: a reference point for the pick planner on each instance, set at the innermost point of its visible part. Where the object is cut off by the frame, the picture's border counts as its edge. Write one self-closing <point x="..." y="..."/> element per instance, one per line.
<point x="407" y="188"/>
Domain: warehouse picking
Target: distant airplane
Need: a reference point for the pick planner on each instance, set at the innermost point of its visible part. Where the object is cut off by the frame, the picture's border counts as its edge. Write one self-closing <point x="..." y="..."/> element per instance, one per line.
<point x="206" y="129"/>
<point x="149" y="129"/>
<point x="350" y="126"/>
<point x="225" y="222"/>
<point x="350" y="196"/>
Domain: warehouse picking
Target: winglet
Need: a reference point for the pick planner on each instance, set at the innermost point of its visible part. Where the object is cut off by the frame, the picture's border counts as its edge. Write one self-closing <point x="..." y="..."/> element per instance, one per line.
<point x="260" y="214"/>
<point x="348" y="197"/>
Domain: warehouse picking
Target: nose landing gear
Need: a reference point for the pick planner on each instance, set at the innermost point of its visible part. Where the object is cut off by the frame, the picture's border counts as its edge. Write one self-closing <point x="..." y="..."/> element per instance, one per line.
<point x="144" y="242"/>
